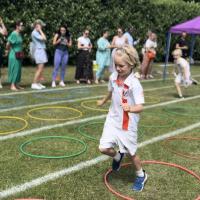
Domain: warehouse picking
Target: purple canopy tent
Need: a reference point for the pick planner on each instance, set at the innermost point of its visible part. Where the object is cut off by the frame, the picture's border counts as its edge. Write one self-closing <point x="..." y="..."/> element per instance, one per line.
<point x="191" y="27"/>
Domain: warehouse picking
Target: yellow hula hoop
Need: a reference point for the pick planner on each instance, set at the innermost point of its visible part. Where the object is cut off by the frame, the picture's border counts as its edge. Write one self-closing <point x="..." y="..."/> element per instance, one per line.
<point x="80" y="114"/>
<point x="17" y="130"/>
<point x="90" y="108"/>
<point x="155" y="100"/>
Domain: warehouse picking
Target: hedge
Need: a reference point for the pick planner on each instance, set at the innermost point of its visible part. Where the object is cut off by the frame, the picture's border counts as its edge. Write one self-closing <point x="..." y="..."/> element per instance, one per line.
<point x="97" y="15"/>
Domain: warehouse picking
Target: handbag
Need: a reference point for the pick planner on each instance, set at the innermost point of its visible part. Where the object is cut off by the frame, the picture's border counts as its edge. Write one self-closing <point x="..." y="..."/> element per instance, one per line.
<point x="19" y="55"/>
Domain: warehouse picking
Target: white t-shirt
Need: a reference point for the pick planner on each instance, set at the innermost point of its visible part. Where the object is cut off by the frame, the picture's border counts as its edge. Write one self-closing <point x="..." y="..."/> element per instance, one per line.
<point x="150" y="44"/>
<point x="130" y="92"/>
<point x="84" y="41"/>
<point x="183" y="65"/>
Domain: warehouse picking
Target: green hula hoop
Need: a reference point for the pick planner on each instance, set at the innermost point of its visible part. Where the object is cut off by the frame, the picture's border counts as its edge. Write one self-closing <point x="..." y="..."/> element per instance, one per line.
<point x="167" y="109"/>
<point x="86" y="134"/>
<point x="163" y="117"/>
<point x="22" y="146"/>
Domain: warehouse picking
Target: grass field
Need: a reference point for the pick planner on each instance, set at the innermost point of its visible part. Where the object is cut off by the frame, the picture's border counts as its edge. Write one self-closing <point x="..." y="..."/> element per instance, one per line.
<point x="71" y="112"/>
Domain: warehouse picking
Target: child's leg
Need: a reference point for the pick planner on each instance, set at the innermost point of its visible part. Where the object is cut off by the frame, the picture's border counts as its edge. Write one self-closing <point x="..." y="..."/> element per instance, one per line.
<point x="109" y="152"/>
<point x="178" y="88"/>
<point x="141" y="176"/>
<point x="137" y="164"/>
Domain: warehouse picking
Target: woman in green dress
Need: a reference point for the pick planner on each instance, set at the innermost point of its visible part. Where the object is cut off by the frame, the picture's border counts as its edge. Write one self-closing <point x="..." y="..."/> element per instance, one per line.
<point x="14" y="45"/>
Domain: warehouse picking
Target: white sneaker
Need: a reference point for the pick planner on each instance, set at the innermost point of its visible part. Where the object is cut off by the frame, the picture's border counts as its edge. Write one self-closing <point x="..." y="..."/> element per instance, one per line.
<point x="42" y="86"/>
<point x="53" y="84"/>
<point x="62" y="84"/>
<point x="35" y="86"/>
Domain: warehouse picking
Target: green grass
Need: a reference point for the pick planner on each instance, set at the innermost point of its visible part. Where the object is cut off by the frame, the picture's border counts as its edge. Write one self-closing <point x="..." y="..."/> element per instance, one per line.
<point x="164" y="182"/>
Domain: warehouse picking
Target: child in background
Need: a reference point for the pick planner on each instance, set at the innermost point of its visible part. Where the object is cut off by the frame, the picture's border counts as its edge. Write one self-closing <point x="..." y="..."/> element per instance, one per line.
<point x="122" y="120"/>
<point x="183" y="78"/>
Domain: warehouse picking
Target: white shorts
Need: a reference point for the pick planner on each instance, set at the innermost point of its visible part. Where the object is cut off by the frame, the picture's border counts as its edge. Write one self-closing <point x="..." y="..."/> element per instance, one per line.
<point x="125" y="140"/>
<point x="180" y="80"/>
<point x="40" y="56"/>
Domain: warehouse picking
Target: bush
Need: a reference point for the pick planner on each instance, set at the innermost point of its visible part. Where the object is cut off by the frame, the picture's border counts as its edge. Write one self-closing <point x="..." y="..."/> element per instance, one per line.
<point x="98" y="14"/>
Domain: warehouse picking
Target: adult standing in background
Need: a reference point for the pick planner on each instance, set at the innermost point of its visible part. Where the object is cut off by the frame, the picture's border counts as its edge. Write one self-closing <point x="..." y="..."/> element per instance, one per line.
<point x="102" y="55"/>
<point x="129" y="35"/>
<point x="118" y="41"/>
<point x="62" y="40"/>
<point x="14" y="46"/>
<point x="149" y="55"/>
<point x="183" y="45"/>
<point x="3" y="33"/>
<point x="84" y="62"/>
<point x="40" y="55"/>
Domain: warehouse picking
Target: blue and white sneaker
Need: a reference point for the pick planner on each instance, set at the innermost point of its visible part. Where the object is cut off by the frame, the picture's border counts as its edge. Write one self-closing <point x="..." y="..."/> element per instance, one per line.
<point x="139" y="183"/>
<point x="116" y="164"/>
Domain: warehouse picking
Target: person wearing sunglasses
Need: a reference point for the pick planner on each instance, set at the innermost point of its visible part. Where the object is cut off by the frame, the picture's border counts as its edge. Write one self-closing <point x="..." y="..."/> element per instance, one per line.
<point x="14" y="47"/>
<point x="118" y="41"/>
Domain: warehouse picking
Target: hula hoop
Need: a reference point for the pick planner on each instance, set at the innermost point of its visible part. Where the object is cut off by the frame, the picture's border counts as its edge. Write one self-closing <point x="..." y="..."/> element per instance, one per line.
<point x="14" y="104"/>
<point x="91" y="108"/>
<point x="163" y="117"/>
<point x="111" y="189"/>
<point x="155" y="100"/>
<point x="15" y="118"/>
<point x="86" y="134"/>
<point x="167" y="109"/>
<point x="22" y="146"/>
<point x="54" y="107"/>
<point x="185" y="155"/>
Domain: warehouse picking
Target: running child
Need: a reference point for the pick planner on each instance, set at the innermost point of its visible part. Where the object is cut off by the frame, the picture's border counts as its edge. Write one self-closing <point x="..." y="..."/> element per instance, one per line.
<point x="183" y="78"/>
<point x="120" y="128"/>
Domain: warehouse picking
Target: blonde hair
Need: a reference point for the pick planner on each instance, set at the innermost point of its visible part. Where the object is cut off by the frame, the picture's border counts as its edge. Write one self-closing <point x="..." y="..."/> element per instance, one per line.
<point x="129" y="55"/>
<point x="177" y="52"/>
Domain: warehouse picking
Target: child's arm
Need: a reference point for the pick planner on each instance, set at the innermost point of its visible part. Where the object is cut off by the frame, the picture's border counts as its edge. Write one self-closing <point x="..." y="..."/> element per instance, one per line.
<point x="105" y="99"/>
<point x="132" y="109"/>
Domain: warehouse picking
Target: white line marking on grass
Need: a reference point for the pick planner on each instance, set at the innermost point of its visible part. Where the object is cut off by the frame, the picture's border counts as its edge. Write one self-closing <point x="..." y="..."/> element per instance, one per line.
<point x="71" y="88"/>
<point x="49" y="103"/>
<point x="70" y="100"/>
<point x="44" y="128"/>
<point x="75" y="87"/>
<point x="49" y="127"/>
<point x="52" y="89"/>
<point x="57" y="174"/>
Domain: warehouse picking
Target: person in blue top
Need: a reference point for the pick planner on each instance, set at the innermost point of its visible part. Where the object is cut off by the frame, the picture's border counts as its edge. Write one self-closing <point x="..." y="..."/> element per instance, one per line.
<point x="40" y="56"/>
<point x="128" y="34"/>
<point x="102" y="55"/>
